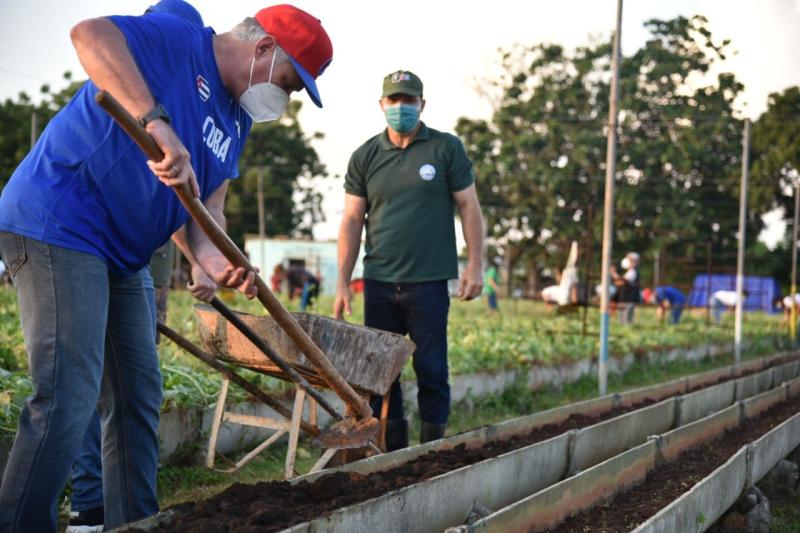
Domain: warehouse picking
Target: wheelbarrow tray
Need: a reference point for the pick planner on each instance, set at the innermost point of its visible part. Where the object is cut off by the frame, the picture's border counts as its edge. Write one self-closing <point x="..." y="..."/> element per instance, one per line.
<point x="367" y="358"/>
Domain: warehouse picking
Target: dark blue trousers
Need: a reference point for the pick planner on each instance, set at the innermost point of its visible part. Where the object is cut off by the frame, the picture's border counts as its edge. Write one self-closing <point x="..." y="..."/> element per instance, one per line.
<point x="419" y="310"/>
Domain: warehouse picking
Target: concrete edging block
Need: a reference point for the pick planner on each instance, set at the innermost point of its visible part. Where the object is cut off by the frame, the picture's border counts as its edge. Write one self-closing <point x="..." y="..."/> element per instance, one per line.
<point x="597" y="443"/>
<point x="558" y="502"/>
<point x="700" y="507"/>
<point x="446" y="500"/>
<point x="772" y="447"/>
<point x="696" y="405"/>
<point x="675" y="442"/>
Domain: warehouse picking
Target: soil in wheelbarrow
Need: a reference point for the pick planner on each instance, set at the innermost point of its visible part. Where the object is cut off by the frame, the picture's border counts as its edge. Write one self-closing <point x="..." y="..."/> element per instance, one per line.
<point x="273" y="506"/>
<point x="669" y="481"/>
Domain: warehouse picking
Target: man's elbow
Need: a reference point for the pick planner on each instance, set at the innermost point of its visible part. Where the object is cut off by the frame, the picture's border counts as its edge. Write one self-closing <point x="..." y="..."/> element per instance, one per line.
<point x="86" y="31"/>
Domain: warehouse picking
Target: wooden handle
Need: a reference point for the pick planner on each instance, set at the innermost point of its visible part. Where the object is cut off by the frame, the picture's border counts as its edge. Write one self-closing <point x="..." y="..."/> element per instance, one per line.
<point x="232" y="253"/>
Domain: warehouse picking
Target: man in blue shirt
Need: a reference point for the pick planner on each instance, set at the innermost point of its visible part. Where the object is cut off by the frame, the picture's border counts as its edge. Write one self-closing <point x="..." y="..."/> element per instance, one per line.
<point x="82" y="214"/>
<point x="669" y="297"/>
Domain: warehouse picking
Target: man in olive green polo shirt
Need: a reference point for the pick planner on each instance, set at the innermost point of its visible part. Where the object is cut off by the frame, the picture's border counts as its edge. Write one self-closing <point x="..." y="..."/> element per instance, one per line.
<point x="405" y="184"/>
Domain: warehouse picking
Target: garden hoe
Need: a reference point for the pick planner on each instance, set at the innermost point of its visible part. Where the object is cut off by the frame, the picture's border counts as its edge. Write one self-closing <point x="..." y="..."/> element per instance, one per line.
<point x="358" y="426"/>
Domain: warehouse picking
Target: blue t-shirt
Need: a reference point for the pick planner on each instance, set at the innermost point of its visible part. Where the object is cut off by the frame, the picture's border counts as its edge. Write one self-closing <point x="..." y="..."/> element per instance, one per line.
<point x="86" y="185"/>
<point x="670" y="294"/>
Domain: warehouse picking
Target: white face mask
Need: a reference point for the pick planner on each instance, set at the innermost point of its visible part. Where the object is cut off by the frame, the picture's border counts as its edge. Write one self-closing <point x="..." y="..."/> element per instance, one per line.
<point x="264" y="102"/>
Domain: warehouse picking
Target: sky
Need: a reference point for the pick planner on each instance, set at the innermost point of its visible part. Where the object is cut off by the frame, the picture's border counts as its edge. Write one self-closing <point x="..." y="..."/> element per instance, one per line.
<point x="452" y="45"/>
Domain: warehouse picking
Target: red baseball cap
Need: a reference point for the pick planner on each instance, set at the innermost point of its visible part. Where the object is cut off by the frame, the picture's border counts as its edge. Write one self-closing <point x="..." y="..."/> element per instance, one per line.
<point x="303" y="38"/>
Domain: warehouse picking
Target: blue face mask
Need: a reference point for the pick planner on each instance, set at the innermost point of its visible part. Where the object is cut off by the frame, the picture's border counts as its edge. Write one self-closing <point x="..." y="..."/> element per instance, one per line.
<point x="403" y="117"/>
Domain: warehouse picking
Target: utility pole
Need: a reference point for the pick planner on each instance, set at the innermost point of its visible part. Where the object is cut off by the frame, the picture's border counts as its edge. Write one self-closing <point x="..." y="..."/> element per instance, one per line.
<point x="608" y="205"/>
<point x="657" y="271"/>
<point x="34" y="129"/>
<point x="742" y="228"/>
<point x="261" y="236"/>
<point x="793" y="318"/>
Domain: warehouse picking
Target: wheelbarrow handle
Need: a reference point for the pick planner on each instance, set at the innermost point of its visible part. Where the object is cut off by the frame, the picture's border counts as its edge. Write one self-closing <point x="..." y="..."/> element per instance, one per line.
<point x="232" y="253"/>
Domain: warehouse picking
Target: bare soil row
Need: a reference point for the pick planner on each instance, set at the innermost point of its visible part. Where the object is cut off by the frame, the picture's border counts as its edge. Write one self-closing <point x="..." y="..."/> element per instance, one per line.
<point x="668" y="482"/>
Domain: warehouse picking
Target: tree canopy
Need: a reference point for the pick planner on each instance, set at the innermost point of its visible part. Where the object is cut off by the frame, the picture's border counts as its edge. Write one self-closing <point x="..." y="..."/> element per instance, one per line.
<point x="540" y="159"/>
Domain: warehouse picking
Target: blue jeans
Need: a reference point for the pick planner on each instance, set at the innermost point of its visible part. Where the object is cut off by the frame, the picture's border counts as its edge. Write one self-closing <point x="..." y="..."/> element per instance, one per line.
<point x="90" y="344"/>
<point x="310" y="291"/>
<point x="717" y="309"/>
<point x="87" y="470"/>
<point x="675" y="313"/>
<point x="419" y="310"/>
<point x="491" y="299"/>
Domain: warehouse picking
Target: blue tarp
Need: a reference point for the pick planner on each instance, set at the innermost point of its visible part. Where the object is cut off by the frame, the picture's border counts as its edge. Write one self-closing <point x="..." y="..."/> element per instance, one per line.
<point x="761" y="291"/>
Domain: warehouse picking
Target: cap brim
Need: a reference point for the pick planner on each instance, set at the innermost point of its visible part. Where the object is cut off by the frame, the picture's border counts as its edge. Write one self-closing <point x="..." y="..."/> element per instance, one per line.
<point x="308" y="81"/>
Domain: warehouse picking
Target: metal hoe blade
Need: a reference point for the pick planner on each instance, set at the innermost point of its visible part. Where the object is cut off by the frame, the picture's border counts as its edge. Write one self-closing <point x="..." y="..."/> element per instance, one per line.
<point x="348" y="433"/>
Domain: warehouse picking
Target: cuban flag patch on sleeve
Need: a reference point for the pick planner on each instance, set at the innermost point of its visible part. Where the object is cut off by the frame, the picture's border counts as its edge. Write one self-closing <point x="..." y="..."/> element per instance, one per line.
<point x="203" y="88"/>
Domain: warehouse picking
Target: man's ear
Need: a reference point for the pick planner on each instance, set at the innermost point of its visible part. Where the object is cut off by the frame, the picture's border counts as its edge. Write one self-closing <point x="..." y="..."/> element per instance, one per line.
<point x="265" y="46"/>
<point x="422" y="105"/>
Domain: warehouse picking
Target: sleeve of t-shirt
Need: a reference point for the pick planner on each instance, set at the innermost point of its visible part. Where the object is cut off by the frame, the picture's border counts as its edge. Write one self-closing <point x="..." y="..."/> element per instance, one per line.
<point x="159" y="43"/>
<point x="355" y="182"/>
<point x="460" y="174"/>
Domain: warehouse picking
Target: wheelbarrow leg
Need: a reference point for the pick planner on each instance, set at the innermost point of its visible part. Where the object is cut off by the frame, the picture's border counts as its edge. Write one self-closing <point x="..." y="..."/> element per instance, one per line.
<point x="294" y="432"/>
<point x="384" y="419"/>
<point x="219" y="412"/>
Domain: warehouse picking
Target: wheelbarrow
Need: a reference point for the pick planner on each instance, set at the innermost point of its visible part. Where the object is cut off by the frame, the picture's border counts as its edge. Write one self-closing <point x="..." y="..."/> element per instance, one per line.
<point x="370" y="360"/>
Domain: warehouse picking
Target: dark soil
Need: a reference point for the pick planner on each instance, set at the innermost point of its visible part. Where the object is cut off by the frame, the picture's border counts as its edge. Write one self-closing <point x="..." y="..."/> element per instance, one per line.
<point x="275" y="505"/>
<point x="669" y="481"/>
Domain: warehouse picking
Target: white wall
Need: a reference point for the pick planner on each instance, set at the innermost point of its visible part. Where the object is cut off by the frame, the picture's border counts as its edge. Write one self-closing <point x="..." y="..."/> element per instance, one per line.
<point x="318" y="255"/>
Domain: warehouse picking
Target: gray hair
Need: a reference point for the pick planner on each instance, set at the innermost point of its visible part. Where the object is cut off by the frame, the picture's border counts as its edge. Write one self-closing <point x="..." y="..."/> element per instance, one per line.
<point x="251" y="30"/>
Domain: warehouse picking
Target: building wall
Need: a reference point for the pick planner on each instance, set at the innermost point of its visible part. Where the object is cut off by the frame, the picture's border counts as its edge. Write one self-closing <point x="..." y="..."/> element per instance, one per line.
<point x="319" y="257"/>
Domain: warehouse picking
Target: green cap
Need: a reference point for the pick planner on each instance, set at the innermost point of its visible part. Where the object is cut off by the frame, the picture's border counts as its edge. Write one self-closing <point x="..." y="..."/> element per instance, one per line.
<point x="402" y="82"/>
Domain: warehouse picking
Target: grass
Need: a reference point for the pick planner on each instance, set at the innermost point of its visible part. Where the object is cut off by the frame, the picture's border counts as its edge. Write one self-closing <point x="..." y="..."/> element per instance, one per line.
<point x="523" y="333"/>
<point x="785" y="514"/>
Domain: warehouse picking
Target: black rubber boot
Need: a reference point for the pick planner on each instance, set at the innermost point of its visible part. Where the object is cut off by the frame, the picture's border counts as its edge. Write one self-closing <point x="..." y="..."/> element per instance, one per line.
<point x="429" y="432"/>
<point x="396" y="434"/>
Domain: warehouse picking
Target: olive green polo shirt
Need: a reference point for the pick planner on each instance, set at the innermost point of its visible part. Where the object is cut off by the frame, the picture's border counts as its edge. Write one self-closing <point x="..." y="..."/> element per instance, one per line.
<point x="410" y="207"/>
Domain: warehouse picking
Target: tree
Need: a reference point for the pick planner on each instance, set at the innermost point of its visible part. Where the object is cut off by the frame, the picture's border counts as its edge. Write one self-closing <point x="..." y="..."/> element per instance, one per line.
<point x="540" y="161"/>
<point x="776" y="153"/>
<point x="16" y="117"/>
<point x="282" y="152"/>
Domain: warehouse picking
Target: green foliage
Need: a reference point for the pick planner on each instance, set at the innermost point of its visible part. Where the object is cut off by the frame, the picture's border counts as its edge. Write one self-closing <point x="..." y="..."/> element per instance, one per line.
<point x="282" y="153"/>
<point x="16" y="117"/>
<point x="14" y="388"/>
<point x="776" y="152"/>
<point x="541" y="158"/>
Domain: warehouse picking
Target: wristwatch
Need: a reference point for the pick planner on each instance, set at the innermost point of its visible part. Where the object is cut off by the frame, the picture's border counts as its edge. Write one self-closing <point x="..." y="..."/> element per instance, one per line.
<point x="158" y="112"/>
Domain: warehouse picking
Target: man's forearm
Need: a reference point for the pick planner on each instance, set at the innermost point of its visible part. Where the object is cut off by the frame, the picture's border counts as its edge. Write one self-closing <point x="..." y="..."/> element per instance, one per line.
<point x="180" y="239"/>
<point x="104" y="55"/>
<point x="348" y="247"/>
<point x="472" y="226"/>
<point x="198" y="242"/>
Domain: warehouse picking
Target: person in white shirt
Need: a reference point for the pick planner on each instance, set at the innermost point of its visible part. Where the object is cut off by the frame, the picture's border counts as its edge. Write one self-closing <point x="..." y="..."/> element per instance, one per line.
<point x="786" y="303"/>
<point x="720" y="300"/>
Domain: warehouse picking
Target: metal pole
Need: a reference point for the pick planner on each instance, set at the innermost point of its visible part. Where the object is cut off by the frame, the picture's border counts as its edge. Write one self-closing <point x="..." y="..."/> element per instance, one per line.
<point x="587" y="261"/>
<point x="708" y="282"/>
<point x="608" y="205"/>
<point x="656" y="273"/>
<point x="261" y="237"/>
<point x="34" y="129"/>
<point x="793" y="318"/>
<point x="742" y="228"/>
